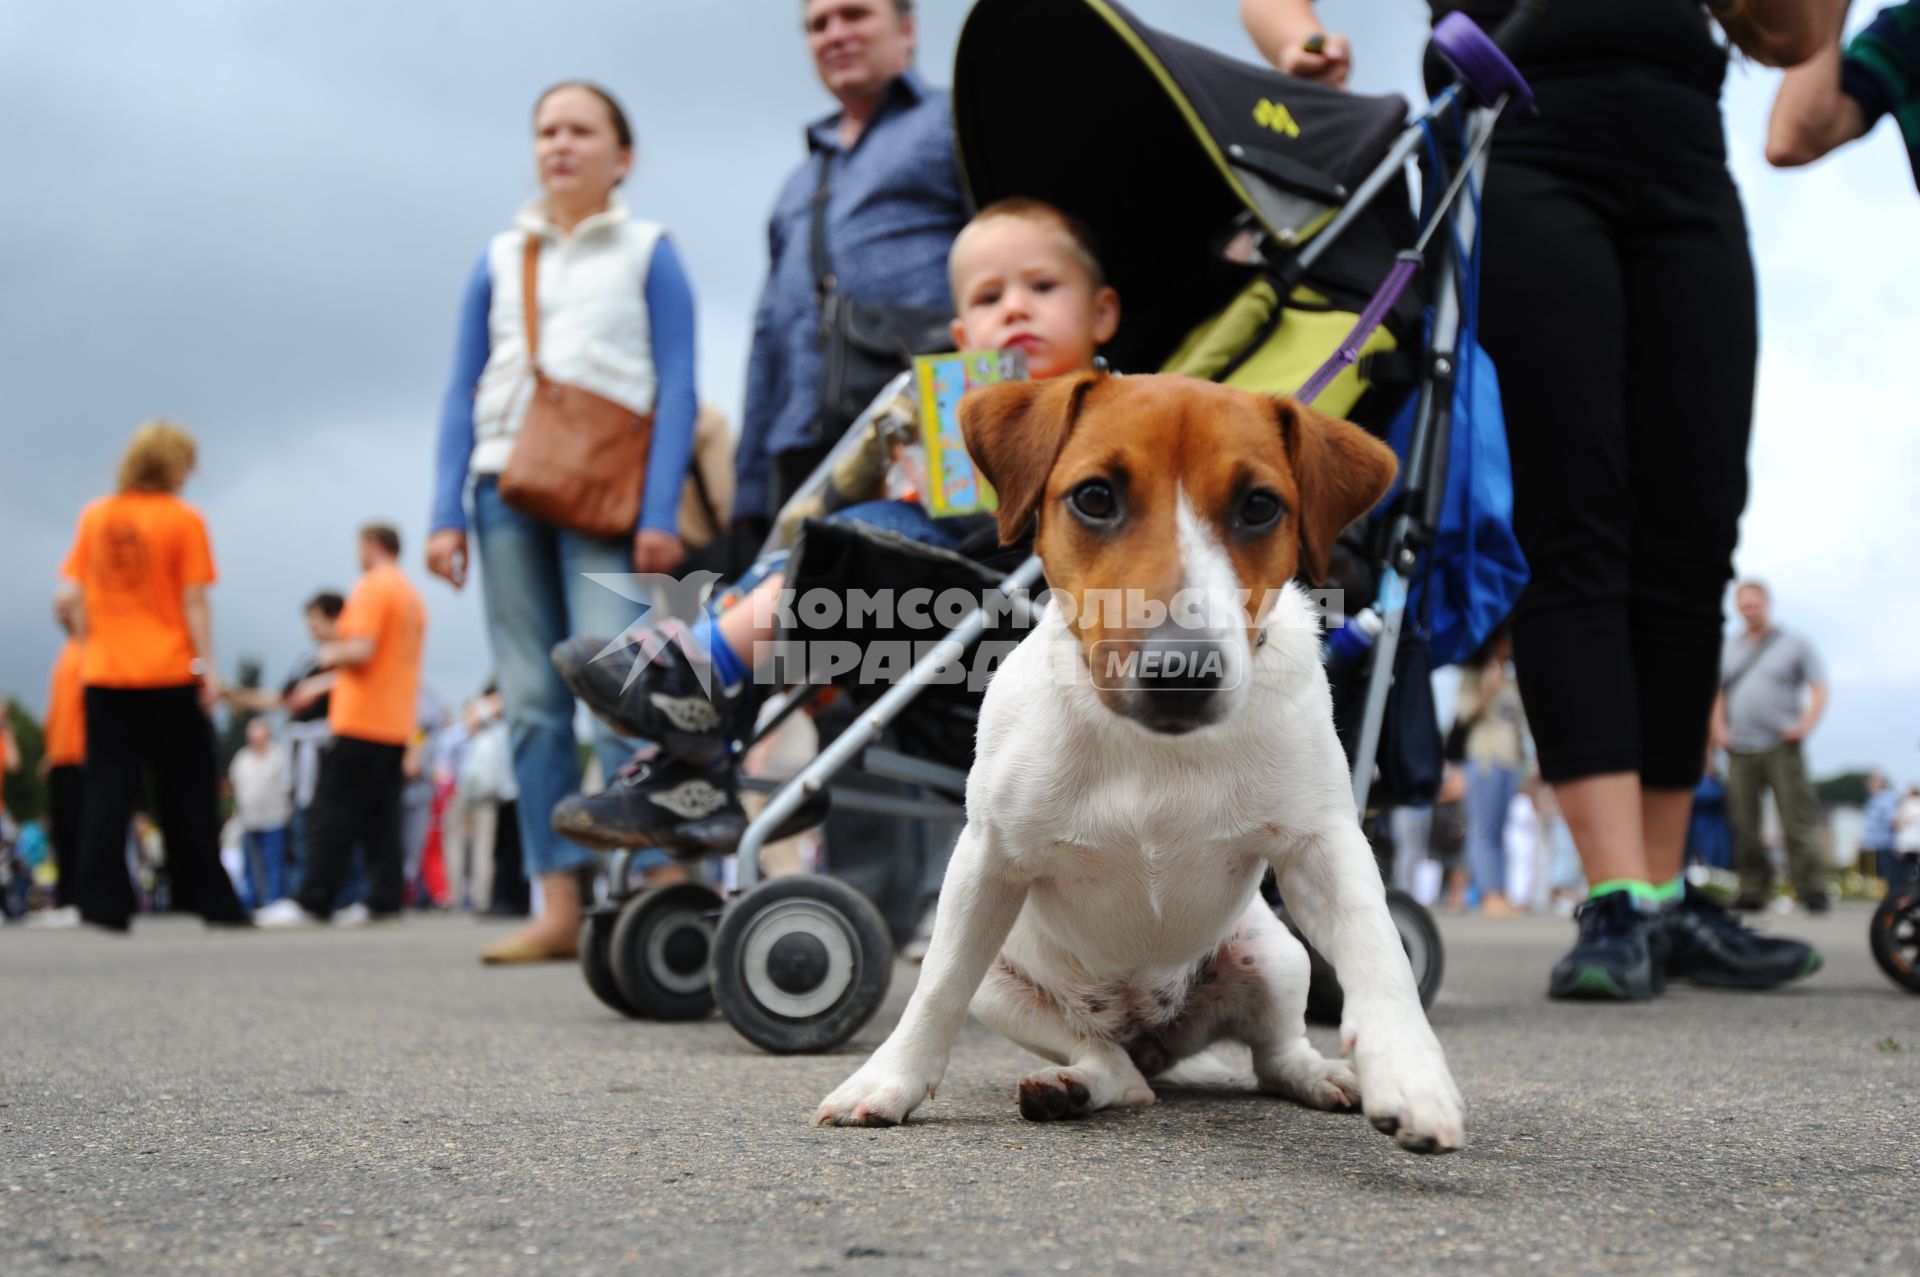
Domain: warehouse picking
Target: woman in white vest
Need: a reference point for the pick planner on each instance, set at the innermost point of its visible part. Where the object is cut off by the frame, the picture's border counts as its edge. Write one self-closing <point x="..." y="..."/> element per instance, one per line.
<point x="615" y="317"/>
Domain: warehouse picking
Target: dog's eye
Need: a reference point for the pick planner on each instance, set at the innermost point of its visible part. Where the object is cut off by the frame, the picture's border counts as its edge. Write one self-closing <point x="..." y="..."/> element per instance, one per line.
<point x="1094" y="500"/>
<point x="1260" y="509"/>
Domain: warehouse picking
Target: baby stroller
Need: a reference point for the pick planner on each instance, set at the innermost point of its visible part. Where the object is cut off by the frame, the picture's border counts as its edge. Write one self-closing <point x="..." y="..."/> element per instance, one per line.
<point x="1252" y="257"/>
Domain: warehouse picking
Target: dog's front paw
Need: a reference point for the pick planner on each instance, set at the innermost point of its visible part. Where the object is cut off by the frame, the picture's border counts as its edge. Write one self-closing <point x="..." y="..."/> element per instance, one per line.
<point x="873" y="1097"/>
<point x="1406" y="1089"/>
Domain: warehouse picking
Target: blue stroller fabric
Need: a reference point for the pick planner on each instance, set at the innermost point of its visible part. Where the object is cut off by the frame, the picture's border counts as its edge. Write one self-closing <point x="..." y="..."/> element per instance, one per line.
<point x="1709" y="835"/>
<point x="1474" y="569"/>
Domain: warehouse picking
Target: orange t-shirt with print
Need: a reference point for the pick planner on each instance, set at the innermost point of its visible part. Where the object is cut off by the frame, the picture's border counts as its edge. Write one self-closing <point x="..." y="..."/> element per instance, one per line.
<point x="134" y="556"/>
<point x="66" y="728"/>
<point x="376" y="701"/>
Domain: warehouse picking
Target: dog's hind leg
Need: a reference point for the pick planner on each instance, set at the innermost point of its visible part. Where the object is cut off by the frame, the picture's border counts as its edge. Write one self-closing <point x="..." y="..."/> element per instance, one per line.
<point x="1284" y="1060"/>
<point x="1254" y="990"/>
<point x="1091" y="1075"/>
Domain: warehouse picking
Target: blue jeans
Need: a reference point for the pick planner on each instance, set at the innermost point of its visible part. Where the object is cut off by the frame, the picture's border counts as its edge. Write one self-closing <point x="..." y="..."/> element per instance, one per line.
<point x="909" y="518"/>
<point x="1490" y="792"/>
<point x="416" y="822"/>
<point x="1896" y="868"/>
<point x="353" y="890"/>
<point x="535" y="593"/>
<point x="297" y="840"/>
<point x="265" y="853"/>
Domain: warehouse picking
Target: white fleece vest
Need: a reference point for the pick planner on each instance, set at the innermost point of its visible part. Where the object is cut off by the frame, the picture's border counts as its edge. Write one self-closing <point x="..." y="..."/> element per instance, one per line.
<point x="594" y="329"/>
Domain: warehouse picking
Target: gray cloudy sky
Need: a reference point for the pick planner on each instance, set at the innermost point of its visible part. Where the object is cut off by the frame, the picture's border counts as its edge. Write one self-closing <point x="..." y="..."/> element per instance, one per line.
<point x="257" y="218"/>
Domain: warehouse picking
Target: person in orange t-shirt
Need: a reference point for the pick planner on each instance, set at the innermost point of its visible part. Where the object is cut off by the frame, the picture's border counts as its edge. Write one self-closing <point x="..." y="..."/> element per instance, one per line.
<point x="66" y="732"/>
<point x="141" y="564"/>
<point x="9" y="749"/>
<point x="371" y="718"/>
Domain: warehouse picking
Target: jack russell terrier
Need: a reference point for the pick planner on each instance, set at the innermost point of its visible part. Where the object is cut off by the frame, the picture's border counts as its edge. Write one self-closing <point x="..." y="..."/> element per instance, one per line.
<point x="1136" y="775"/>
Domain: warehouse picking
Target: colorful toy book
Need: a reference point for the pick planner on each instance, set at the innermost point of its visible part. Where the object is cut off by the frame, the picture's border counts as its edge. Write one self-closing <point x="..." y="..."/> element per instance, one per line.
<point x="954" y="485"/>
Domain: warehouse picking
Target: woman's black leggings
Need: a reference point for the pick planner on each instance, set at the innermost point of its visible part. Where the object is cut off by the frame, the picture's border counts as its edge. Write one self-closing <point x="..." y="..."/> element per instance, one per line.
<point x="1618" y="305"/>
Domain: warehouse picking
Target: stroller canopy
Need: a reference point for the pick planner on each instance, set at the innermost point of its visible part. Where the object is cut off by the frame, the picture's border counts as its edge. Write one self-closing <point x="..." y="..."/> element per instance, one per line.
<point x="1160" y="145"/>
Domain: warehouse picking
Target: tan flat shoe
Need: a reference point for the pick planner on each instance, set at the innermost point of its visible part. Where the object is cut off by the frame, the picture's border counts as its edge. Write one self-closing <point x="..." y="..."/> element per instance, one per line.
<point x="516" y="950"/>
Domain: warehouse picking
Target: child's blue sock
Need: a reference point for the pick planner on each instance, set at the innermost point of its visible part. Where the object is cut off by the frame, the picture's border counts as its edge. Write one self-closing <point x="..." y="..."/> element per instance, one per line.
<point x="728" y="668"/>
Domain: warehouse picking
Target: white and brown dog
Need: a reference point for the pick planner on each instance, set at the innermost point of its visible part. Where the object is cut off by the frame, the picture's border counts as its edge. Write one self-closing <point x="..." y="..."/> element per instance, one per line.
<point x="1102" y="907"/>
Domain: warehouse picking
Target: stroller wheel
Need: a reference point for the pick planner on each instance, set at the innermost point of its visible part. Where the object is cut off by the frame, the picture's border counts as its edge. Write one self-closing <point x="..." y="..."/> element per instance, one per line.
<point x="1418" y="936"/>
<point x="1895" y="934"/>
<point x="661" y="944"/>
<point x="596" y="937"/>
<point x="801" y="963"/>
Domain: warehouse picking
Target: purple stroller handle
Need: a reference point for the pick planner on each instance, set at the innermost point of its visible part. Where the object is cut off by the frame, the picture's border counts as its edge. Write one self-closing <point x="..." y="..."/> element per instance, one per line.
<point x="1484" y="69"/>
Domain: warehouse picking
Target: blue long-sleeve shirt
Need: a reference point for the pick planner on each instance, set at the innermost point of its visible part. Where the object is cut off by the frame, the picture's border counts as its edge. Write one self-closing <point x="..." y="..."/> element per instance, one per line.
<point x="1877" y="826"/>
<point x="676" y="402"/>
<point x="896" y="206"/>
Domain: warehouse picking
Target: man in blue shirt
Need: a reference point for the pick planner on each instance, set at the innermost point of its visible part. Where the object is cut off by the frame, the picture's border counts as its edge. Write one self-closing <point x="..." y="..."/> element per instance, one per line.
<point x="1877" y="853"/>
<point x="895" y="207"/>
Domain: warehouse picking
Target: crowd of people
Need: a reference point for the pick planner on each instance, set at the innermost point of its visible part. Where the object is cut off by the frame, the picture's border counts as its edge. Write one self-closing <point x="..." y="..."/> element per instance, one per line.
<point x="425" y="815"/>
<point x="1494" y="841"/>
<point x="1618" y="304"/>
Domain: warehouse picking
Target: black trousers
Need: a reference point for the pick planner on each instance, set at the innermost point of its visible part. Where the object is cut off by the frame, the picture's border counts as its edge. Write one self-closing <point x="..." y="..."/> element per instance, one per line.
<point x="66" y="810"/>
<point x="356" y="798"/>
<point x="1618" y="305"/>
<point x="132" y="732"/>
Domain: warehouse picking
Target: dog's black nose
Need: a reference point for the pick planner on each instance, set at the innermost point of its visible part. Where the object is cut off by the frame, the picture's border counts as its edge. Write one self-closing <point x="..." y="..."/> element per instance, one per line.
<point x="1175" y="683"/>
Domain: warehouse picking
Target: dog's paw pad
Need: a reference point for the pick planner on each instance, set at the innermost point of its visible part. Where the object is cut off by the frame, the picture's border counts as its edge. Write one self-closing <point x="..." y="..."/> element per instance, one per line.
<point x="1429" y="1137"/>
<point x="1054" y="1096"/>
<point x="862" y="1116"/>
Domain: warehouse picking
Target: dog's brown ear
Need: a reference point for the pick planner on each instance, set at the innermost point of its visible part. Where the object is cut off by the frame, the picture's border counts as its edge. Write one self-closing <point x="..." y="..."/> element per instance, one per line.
<point x="1014" y="432"/>
<point x="1342" y="472"/>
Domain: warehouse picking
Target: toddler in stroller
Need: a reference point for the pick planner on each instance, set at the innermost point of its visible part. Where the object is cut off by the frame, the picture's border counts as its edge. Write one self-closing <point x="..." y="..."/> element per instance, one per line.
<point x="1025" y="277"/>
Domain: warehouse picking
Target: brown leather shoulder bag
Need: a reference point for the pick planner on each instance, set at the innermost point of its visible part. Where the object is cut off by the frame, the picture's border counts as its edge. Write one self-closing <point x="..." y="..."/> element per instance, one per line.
<point x="579" y="460"/>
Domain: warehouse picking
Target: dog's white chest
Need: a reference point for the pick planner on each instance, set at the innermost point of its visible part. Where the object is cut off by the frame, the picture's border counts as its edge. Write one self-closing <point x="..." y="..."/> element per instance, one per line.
<point x="1157" y="871"/>
<point x="1126" y="906"/>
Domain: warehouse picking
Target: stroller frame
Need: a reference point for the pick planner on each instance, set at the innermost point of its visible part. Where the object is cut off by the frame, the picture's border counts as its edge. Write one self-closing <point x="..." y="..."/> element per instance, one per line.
<point x="817" y="906"/>
<point x="1409" y="531"/>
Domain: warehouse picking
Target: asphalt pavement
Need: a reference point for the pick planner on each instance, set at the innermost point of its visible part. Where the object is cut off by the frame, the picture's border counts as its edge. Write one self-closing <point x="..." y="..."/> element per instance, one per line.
<point x="377" y="1102"/>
